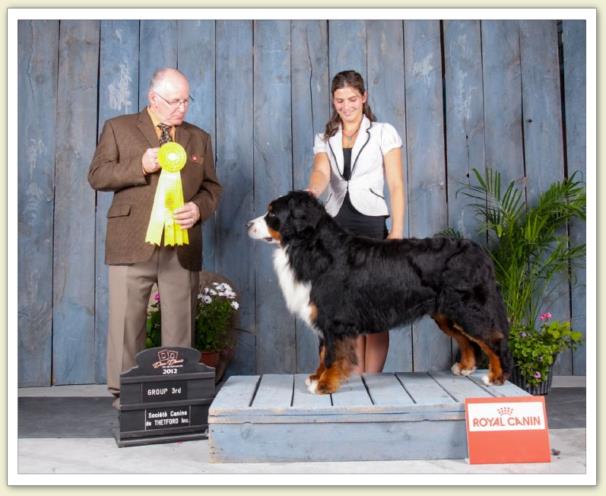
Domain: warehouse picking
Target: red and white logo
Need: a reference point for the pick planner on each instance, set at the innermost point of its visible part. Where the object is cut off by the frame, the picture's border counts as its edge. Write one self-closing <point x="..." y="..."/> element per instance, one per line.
<point x="505" y="416"/>
<point x="168" y="358"/>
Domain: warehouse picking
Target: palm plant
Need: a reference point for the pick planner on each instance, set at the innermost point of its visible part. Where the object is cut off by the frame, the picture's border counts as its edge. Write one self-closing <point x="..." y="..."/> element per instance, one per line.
<point x="526" y="243"/>
<point x="529" y="247"/>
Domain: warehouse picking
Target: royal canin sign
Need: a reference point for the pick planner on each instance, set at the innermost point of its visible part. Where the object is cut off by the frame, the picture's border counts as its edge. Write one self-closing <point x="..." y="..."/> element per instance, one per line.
<point x="507" y="430"/>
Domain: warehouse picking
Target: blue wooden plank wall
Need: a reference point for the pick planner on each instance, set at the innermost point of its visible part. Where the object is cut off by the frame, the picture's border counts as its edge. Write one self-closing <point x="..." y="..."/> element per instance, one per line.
<point x="461" y="93"/>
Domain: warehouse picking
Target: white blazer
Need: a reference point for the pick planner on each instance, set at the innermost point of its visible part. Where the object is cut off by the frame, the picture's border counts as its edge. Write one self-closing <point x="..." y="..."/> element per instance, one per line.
<point x="365" y="187"/>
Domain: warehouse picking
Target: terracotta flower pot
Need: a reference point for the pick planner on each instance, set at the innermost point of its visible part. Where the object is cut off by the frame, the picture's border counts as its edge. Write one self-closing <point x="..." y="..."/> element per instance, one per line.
<point x="210" y="358"/>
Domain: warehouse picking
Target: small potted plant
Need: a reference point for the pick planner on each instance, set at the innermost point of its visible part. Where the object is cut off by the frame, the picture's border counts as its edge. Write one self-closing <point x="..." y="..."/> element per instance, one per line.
<point x="215" y="320"/>
<point x="216" y="310"/>
<point x="535" y="351"/>
<point x="153" y="324"/>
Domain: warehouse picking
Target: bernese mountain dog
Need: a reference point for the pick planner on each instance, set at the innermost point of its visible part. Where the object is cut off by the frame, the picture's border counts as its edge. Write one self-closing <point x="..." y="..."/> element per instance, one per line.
<point x="344" y="286"/>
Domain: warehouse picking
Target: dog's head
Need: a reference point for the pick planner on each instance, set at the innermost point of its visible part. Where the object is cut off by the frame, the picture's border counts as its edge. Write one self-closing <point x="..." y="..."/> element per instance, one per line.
<point x="295" y="215"/>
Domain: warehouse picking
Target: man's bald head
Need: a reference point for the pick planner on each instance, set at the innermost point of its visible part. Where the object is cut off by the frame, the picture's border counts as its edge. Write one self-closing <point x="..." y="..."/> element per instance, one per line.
<point x="168" y="95"/>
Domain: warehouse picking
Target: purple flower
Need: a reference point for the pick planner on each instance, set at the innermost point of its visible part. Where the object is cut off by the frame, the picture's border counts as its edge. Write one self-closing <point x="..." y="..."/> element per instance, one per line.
<point x="157" y="297"/>
<point x="522" y="334"/>
<point x="545" y="316"/>
<point x="537" y="375"/>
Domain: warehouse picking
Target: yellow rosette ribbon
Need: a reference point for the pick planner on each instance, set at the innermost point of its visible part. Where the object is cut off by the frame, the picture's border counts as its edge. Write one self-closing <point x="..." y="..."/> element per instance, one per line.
<point x="169" y="197"/>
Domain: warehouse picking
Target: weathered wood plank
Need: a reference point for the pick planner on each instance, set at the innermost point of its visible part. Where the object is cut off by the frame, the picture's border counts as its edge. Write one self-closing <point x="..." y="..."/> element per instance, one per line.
<point x="424" y="391"/>
<point x="118" y="94"/>
<point x="341" y="415"/>
<point x="272" y="155"/>
<point x="234" y="251"/>
<point x="400" y="397"/>
<point x="310" y="111"/>
<point x="303" y="399"/>
<point x="386" y="390"/>
<point x="74" y="228"/>
<point x="573" y="40"/>
<point x="459" y="387"/>
<point x="426" y="165"/>
<point x="385" y="85"/>
<point x="543" y="147"/>
<point x="345" y="42"/>
<point x="502" y="98"/>
<point x="336" y="442"/>
<point x="237" y="393"/>
<point x="196" y="59"/>
<point x="38" y="64"/>
<point x="464" y="117"/>
<point x="352" y="393"/>
<point x="275" y="392"/>
<point x="158" y="48"/>
<point x="507" y="389"/>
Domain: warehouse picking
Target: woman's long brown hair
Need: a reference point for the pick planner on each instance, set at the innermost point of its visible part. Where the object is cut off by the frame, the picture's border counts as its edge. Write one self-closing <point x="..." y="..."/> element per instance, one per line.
<point x="342" y="80"/>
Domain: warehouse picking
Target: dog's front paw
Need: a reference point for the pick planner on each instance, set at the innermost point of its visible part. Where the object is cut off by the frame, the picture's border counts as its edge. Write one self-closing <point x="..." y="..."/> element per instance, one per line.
<point x="312" y="387"/>
<point x="456" y="368"/>
<point x="325" y="387"/>
<point x="311" y="379"/>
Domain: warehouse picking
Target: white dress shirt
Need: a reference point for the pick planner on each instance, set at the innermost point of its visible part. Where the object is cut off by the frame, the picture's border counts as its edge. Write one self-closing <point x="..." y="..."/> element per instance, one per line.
<point x="365" y="187"/>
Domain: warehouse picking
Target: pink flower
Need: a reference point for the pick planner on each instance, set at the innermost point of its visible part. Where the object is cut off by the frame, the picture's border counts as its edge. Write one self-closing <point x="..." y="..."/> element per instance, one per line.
<point x="537" y="375"/>
<point x="545" y="316"/>
<point x="157" y="297"/>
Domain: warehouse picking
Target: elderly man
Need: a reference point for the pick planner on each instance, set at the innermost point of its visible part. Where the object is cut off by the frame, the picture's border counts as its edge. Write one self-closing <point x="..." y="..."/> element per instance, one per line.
<point x="126" y="162"/>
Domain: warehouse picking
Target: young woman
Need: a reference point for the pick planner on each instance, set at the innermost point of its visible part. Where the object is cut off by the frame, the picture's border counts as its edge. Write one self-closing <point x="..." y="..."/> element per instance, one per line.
<point x="353" y="158"/>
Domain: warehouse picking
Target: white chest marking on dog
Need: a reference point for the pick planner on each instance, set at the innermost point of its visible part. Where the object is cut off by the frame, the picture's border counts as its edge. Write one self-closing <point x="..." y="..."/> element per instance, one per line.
<point x="295" y="293"/>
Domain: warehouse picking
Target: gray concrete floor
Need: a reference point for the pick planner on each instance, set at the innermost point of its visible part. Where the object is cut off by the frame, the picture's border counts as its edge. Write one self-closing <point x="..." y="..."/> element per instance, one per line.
<point x="68" y="430"/>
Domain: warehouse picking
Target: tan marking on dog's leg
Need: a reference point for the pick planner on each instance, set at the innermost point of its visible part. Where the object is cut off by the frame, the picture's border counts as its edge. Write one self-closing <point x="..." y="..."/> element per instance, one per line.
<point x="467" y="364"/>
<point x="311" y="381"/>
<point x="332" y="377"/>
<point x="495" y="371"/>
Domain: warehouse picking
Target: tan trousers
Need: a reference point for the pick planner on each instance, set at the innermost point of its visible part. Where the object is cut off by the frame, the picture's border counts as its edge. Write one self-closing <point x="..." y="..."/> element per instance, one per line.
<point x="129" y="291"/>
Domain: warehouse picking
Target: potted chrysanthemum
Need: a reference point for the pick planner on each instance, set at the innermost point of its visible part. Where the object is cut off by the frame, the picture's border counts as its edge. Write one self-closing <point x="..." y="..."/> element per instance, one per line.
<point x="215" y="322"/>
<point x="216" y="309"/>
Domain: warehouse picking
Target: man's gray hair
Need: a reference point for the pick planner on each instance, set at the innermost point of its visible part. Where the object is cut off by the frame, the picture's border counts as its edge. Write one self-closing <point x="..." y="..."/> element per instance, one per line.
<point x="158" y="77"/>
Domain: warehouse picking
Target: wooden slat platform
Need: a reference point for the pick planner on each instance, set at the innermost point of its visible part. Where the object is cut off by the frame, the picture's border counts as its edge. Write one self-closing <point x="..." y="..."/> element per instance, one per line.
<point x="395" y="416"/>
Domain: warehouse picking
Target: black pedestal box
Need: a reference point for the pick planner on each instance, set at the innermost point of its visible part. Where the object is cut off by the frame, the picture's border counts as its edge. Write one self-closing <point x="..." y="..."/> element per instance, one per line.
<point x="165" y="398"/>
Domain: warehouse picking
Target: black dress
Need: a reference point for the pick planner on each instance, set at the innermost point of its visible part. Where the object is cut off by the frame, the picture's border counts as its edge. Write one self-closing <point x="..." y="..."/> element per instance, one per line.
<point x="371" y="226"/>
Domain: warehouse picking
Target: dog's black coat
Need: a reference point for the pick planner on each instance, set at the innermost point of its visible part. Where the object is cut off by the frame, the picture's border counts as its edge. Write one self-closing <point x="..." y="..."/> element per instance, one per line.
<point x="360" y="285"/>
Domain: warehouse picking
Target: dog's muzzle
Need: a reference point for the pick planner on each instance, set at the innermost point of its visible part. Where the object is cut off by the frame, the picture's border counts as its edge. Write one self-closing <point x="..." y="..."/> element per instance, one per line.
<point x="257" y="229"/>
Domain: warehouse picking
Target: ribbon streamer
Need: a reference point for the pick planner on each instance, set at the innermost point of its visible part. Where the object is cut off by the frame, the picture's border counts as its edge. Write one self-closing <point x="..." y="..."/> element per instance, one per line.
<point x="169" y="197"/>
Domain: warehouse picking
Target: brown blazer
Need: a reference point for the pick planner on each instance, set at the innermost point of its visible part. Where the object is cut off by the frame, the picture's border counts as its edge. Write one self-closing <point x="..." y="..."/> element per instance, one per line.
<point x="116" y="167"/>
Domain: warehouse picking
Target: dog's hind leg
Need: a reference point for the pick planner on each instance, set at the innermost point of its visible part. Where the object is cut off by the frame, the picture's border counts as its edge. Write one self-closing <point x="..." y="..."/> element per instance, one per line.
<point x="467" y="363"/>
<point x="338" y="366"/>
<point x="495" y="370"/>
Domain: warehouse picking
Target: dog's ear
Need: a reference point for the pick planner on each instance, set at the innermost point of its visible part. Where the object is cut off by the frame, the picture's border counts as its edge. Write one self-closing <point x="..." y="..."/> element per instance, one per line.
<point x="305" y="212"/>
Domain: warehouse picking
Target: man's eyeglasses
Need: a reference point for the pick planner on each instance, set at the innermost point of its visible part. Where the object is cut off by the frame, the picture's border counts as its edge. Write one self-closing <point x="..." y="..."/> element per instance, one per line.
<point x="176" y="103"/>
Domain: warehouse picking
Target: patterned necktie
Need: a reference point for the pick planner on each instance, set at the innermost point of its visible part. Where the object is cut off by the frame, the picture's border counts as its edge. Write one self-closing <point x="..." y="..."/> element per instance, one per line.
<point x="165" y="134"/>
